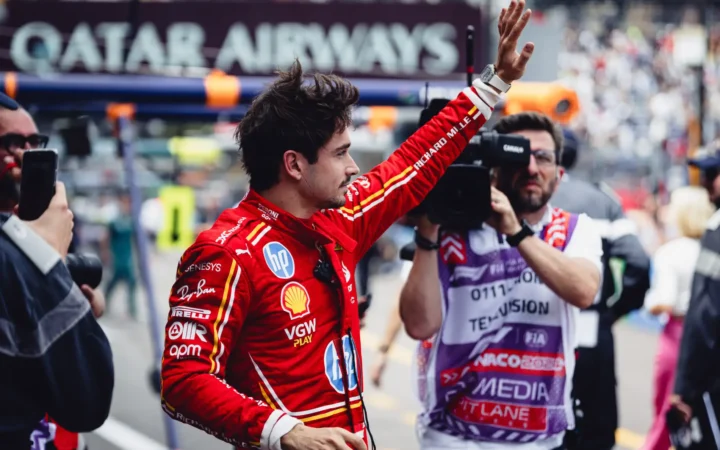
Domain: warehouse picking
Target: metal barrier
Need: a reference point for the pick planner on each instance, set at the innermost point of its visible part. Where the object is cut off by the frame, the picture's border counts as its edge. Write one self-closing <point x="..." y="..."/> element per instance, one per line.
<point x="125" y="136"/>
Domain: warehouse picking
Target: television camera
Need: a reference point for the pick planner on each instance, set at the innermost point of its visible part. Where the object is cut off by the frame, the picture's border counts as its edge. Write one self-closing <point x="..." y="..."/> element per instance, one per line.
<point x="461" y="199"/>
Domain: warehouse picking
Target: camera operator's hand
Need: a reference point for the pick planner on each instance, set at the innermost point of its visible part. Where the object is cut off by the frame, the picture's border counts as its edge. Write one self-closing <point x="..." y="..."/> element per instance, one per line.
<point x="510" y="65"/>
<point x="503" y="217"/>
<point x="427" y="229"/>
<point x="56" y="223"/>
<point x="96" y="299"/>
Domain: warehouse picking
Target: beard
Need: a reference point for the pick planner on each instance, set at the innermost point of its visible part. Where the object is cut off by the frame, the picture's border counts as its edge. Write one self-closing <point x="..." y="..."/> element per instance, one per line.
<point x="334" y="203"/>
<point x="526" y="201"/>
<point x="339" y="201"/>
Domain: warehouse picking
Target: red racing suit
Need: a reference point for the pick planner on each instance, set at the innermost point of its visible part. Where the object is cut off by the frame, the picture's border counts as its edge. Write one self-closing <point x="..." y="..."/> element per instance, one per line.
<point x="258" y="339"/>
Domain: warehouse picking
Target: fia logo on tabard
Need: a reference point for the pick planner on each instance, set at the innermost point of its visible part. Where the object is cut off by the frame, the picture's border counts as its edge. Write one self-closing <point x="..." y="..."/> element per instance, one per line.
<point x="279" y="260"/>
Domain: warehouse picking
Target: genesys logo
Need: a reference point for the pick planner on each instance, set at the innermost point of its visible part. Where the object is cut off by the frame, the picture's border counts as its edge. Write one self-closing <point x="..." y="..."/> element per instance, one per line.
<point x="190" y="313"/>
<point x="295" y="300"/>
<point x="183" y="350"/>
<point x="187" y="331"/>
<point x="201" y="267"/>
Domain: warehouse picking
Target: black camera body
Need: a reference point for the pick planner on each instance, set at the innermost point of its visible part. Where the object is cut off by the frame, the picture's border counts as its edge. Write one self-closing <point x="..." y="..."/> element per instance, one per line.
<point x="85" y="268"/>
<point x="461" y="199"/>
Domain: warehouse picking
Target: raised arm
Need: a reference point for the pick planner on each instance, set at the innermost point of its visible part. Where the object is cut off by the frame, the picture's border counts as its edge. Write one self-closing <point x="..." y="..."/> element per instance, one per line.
<point x="375" y="201"/>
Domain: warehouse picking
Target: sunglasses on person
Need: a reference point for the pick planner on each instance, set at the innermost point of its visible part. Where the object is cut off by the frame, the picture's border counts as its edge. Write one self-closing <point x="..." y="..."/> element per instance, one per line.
<point x="13" y="141"/>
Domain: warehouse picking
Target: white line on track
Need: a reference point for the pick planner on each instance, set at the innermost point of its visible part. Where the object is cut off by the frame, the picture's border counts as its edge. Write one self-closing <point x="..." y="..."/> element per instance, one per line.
<point x="126" y="438"/>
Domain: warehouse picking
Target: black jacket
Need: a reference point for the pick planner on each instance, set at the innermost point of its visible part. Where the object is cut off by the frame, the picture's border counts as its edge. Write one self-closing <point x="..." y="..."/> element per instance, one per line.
<point x="619" y="243"/>
<point x="698" y="368"/>
<point x="54" y="357"/>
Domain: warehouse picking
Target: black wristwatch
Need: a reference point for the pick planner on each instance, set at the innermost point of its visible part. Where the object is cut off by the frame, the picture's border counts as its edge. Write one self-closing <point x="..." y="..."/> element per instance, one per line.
<point x="516" y="238"/>
<point x="425" y="243"/>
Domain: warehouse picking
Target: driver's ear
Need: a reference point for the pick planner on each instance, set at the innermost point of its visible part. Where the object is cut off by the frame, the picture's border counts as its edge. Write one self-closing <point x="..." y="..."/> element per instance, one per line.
<point x="294" y="163"/>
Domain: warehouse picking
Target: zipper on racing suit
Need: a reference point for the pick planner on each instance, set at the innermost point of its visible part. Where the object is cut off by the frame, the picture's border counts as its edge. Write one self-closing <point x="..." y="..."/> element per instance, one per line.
<point x="328" y="276"/>
<point x="358" y="372"/>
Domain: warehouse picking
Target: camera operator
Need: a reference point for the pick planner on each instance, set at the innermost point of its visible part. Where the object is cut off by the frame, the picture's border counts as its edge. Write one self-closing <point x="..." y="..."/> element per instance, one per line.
<point x="18" y="133"/>
<point x="501" y="302"/>
<point x="594" y="382"/>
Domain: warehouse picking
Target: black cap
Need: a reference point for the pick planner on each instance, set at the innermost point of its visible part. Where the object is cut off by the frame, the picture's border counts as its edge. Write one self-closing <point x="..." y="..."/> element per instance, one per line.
<point x="571" y="145"/>
<point x="8" y="103"/>
<point x="707" y="157"/>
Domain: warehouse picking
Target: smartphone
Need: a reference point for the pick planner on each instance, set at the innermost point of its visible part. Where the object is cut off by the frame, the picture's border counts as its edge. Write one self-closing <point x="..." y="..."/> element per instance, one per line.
<point x="37" y="185"/>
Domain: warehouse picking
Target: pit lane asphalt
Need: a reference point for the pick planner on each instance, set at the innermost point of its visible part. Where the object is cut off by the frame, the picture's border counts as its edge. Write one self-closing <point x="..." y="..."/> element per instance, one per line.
<point x="137" y="420"/>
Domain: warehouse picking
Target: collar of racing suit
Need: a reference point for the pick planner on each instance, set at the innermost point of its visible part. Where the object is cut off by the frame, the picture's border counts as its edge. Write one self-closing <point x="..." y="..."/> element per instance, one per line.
<point x="304" y="229"/>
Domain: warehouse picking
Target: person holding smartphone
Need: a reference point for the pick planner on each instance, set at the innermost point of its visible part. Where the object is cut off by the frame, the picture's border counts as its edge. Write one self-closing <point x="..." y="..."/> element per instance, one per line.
<point x="55" y="359"/>
<point x="44" y="240"/>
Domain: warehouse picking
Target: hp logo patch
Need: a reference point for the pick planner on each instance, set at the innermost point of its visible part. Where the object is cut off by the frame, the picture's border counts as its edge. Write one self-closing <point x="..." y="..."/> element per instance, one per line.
<point x="333" y="367"/>
<point x="279" y="260"/>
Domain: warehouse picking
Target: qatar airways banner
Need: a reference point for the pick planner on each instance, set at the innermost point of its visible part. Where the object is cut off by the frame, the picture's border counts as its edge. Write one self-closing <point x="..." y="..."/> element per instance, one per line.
<point x="378" y="40"/>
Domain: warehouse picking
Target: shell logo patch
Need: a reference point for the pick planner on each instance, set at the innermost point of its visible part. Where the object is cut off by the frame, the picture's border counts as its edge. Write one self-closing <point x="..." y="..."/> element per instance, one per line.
<point x="295" y="300"/>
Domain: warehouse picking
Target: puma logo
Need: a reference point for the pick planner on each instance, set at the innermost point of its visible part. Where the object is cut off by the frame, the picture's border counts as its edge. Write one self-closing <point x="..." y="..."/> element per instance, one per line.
<point x="240" y="251"/>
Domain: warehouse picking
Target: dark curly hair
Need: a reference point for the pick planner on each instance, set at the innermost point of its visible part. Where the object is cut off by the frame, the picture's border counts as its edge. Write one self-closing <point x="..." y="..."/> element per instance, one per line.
<point x="292" y="116"/>
<point x="531" y="120"/>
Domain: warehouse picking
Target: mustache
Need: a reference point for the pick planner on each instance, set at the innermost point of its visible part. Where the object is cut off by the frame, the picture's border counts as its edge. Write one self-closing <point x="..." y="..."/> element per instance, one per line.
<point x="523" y="180"/>
<point x="347" y="182"/>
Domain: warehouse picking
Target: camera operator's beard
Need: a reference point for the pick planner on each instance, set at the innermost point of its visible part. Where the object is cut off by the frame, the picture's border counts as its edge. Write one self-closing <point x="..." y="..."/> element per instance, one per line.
<point x="527" y="202"/>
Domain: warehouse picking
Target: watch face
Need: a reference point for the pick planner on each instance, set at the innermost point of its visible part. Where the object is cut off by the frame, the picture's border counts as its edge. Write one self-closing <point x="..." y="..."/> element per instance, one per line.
<point x="487" y="73"/>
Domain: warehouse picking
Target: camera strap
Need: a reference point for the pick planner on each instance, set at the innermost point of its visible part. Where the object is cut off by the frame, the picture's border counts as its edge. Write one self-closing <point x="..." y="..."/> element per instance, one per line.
<point x="35" y="248"/>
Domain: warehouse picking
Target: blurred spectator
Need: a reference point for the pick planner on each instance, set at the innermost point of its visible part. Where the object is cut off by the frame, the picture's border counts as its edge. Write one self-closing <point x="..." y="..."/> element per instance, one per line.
<point x="594" y="382"/>
<point x="673" y="264"/>
<point x="120" y="246"/>
<point x="708" y="161"/>
<point x="636" y="100"/>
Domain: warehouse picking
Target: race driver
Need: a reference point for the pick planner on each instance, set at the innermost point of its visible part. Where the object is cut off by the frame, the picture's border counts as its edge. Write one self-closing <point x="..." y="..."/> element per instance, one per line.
<point x="262" y="342"/>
